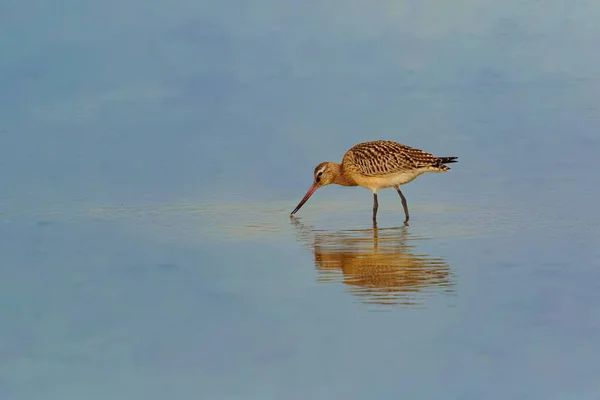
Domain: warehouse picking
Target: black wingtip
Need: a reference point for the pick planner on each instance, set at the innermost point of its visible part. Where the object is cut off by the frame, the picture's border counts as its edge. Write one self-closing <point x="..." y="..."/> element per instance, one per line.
<point x="447" y="160"/>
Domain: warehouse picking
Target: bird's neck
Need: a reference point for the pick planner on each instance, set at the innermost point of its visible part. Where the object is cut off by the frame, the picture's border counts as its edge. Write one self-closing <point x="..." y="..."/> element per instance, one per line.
<point x="341" y="178"/>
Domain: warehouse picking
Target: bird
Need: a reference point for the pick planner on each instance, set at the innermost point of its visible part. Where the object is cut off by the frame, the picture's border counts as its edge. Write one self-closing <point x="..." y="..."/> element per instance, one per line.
<point x="377" y="165"/>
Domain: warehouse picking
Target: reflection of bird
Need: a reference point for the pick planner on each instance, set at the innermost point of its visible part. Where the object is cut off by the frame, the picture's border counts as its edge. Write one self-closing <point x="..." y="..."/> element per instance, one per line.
<point x="377" y="165"/>
<point x="377" y="264"/>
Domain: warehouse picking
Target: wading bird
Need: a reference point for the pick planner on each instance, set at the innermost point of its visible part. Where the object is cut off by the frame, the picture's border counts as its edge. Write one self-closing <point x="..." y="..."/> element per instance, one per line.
<point x="377" y="165"/>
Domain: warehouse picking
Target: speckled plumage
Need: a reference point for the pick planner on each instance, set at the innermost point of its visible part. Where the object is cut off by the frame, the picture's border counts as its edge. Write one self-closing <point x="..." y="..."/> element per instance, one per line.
<point x="383" y="157"/>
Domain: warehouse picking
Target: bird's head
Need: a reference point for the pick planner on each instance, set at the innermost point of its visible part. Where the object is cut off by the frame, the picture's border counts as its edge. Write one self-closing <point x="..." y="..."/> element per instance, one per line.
<point x="324" y="174"/>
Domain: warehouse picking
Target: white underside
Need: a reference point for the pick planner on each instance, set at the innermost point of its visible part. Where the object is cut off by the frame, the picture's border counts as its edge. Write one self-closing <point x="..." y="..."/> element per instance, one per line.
<point x="376" y="183"/>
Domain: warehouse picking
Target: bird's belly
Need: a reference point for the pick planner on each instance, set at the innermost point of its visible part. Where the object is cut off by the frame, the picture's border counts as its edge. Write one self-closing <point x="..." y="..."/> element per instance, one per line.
<point x="386" y="181"/>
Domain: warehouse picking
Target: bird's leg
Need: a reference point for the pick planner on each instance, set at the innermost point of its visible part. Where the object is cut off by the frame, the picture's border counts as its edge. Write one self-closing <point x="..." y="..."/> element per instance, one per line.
<point x="375" y="206"/>
<point x="403" y="204"/>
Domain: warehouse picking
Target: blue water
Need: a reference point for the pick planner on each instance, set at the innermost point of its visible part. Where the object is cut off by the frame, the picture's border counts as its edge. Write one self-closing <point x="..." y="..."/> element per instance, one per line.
<point x="151" y="153"/>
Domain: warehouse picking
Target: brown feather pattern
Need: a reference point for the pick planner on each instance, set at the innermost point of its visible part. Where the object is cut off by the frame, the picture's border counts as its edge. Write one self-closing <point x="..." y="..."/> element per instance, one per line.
<point x="382" y="157"/>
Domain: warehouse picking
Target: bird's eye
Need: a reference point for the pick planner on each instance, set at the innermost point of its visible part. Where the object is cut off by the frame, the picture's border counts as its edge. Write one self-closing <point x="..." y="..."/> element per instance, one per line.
<point x="320" y="173"/>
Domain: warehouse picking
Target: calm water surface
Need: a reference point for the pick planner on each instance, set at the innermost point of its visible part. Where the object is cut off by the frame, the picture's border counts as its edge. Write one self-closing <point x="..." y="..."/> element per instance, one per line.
<point x="150" y="156"/>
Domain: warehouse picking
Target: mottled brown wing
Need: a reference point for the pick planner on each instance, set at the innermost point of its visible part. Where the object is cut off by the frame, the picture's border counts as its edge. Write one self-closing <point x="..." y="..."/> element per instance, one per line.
<point x="383" y="157"/>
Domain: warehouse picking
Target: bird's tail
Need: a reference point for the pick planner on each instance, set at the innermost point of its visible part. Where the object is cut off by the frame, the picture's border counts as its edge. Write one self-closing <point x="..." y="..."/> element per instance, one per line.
<point x="440" y="162"/>
<point x="446" y="160"/>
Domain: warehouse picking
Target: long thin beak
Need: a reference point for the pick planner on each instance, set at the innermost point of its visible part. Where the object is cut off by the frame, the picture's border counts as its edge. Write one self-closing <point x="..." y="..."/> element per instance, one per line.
<point x="310" y="192"/>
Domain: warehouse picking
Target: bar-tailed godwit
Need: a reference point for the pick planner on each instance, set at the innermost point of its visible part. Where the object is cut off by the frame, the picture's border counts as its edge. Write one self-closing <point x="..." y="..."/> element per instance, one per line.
<point x="377" y="165"/>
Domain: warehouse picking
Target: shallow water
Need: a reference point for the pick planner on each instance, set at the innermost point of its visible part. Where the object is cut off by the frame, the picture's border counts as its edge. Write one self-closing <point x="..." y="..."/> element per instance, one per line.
<point x="150" y="157"/>
<point x="234" y="300"/>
